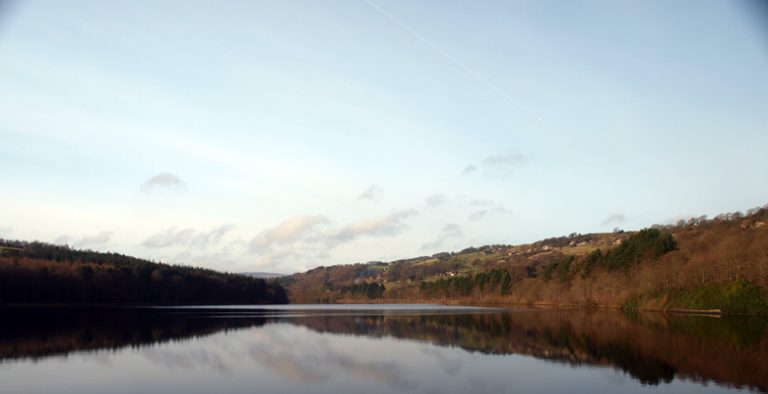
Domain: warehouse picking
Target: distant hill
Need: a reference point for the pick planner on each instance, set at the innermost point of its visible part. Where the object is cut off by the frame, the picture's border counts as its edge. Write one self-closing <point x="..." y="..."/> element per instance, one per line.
<point x="263" y="275"/>
<point x="36" y="272"/>
<point x="702" y="264"/>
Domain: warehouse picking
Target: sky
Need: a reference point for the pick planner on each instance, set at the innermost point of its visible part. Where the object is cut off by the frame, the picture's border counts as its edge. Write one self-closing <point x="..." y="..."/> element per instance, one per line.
<point x="278" y="136"/>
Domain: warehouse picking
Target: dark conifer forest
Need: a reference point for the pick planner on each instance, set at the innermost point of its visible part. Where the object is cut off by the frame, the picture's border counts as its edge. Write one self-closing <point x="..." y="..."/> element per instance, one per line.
<point x="41" y="273"/>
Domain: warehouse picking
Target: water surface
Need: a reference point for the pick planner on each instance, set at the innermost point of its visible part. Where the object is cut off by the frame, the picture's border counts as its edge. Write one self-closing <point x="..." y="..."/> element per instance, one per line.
<point x="375" y="349"/>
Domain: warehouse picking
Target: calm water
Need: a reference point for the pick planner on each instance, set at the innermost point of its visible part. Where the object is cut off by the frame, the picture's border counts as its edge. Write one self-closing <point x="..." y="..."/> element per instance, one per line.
<point x="375" y="349"/>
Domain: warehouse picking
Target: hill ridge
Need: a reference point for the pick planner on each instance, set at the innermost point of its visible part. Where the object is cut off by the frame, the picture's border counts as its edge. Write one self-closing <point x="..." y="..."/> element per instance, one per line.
<point x="700" y="264"/>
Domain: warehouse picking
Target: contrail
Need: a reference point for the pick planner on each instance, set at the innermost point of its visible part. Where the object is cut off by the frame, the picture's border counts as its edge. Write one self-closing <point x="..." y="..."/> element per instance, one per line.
<point x="455" y="61"/>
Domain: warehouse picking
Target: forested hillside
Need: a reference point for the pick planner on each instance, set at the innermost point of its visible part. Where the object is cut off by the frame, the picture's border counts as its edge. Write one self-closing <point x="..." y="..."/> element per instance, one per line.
<point x="35" y="272"/>
<point x="703" y="264"/>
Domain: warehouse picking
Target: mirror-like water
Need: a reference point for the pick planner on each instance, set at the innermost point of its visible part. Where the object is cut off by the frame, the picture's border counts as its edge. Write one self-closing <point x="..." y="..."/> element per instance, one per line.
<point x="375" y="349"/>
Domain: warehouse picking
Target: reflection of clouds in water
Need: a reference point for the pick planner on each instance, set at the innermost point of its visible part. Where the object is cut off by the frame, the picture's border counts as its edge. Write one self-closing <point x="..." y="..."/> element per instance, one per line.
<point x="614" y="375"/>
<point x="292" y="360"/>
<point x="323" y="362"/>
<point x="186" y="359"/>
<point x="287" y="365"/>
<point x="102" y="358"/>
<point x="481" y="385"/>
<point x="386" y="372"/>
<point x="310" y="359"/>
<point x="451" y="366"/>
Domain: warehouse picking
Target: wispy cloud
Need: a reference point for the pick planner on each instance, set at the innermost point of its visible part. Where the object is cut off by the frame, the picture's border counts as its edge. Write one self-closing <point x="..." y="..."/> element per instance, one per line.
<point x="299" y="238"/>
<point x="164" y="181"/>
<point x="297" y="228"/>
<point x="501" y="165"/>
<point x="435" y="200"/>
<point x="450" y="231"/>
<point x="226" y="256"/>
<point x="468" y="170"/>
<point x="676" y="219"/>
<point x="372" y="193"/>
<point x="175" y="236"/>
<point x="170" y="237"/>
<point x="504" y="160"/>
<point x="616" y="218"/>
<point x="485" y="207"/>
<point x="86" y="241"/>
<point x="390" y="224"/>
<point x="205" y="238"/>
<point x="93" y="240"/>
<point x="308" y="237"/>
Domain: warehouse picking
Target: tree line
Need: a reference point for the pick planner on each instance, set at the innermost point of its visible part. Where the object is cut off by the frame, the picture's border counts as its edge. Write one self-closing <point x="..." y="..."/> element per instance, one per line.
<point x="496" y="281"/>
<point x="36" y="272"/>
<point x="369" y="290"/>
<point x="650" y="243"/>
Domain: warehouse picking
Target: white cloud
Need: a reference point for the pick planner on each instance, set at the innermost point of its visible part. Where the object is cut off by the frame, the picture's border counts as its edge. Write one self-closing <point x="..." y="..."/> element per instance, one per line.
<point x="309" y="238"/>
<point x="503" y="160"/>
<point x="94" y="240"/>
<point x="470" y="169"/>
<point x="501" y="165"/>
<point x="225" y="257"/>
<point x="164" y="181"/>
<point x="390" y="224"/>
<point x="616" y="218"/>
<point x="372" y="193"/>
<point x="302" y="238"/>
<point x="485" y="207"/>
<point x="174" y="236"/>
<point x="86" y="241"/>
<point x="203" y="239"/>
<point x="450" y="231"/>
<point x="289" y="231"/>
<point x="170" y="237"/>
<point x="435" y="200"/>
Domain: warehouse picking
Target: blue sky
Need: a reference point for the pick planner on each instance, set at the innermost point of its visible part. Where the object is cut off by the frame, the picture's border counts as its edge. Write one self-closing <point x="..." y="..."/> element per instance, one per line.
<point x="282" y="135"/>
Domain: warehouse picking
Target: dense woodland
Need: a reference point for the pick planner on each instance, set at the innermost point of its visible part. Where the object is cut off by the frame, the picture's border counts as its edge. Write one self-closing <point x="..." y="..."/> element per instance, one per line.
<point x="36" y="272"/>
<point x="494" y="281"/>
<point x="703" y="264"/>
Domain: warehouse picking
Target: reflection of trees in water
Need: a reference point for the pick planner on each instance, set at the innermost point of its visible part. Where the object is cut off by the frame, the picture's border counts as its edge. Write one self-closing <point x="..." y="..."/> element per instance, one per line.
<point x="42" y="332"/>
<point x="651" y="348"/>
<point x="646" y="368"/>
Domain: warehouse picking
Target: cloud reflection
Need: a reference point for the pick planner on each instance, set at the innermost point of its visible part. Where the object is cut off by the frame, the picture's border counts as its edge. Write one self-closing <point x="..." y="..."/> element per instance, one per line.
<point x="187" y="359"/>
<point x="305" y="358"/>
